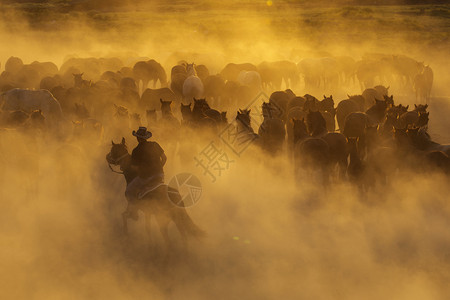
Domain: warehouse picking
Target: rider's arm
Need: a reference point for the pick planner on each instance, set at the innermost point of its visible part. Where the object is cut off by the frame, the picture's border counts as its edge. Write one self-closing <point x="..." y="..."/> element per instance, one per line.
<point x="162" y="155"/>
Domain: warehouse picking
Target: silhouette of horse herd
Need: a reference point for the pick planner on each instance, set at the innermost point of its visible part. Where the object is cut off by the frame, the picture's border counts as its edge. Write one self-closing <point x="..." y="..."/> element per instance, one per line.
<point x="363" y="139"/>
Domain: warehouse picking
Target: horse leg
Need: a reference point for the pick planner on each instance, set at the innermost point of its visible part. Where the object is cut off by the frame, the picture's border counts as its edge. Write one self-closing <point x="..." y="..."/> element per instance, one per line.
<point x="148" y="228"/>
<point x="342" y="168"/>
<point x="177" y="218"/>
<point x="125" y="217"/>
<point x="163" y="223"/>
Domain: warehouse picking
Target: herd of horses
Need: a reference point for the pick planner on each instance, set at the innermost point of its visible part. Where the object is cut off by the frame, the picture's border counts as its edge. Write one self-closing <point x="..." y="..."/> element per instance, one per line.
<point x="375" y="137"/>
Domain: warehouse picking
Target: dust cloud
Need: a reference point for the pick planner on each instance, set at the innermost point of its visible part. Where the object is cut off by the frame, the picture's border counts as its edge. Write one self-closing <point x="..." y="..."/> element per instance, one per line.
<point x="269" y="236"/>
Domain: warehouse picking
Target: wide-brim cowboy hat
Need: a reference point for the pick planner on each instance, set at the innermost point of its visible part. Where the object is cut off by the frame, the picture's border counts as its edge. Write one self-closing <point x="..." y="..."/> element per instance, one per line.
<point x="142" y="132"/>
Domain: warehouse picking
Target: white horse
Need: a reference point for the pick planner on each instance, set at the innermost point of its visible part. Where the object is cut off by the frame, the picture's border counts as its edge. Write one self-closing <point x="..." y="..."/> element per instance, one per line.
<point x="30" y="100"/>
<point x="192" y="86"/>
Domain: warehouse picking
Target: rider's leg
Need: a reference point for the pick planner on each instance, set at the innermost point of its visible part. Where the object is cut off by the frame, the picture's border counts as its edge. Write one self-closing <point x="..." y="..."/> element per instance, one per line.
<point x="132" y="209"/>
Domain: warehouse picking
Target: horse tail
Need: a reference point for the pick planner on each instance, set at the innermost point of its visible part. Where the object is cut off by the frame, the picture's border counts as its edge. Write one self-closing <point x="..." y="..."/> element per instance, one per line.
<point x="185" y="224"/>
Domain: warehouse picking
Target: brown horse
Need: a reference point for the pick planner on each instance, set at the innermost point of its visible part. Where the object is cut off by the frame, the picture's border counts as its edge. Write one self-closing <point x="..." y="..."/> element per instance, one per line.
<point x="316" y="123"/>
<point x="310" y="154"/>
<point x="186" y="114"/>
<point x="355" y="126"/>
<point x="200" y="119"/>
<point x="155" y="202"/>
<point x="168" y="119"/>
<point x="377" y="112"/>
<point x="338" y="152"/>
<point x="271" y="131"/>
<point x="357" y="169"/>
<point x="343" y="109"/>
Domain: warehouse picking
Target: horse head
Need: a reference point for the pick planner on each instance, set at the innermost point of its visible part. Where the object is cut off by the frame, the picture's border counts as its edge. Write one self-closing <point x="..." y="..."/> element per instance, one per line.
<point x="243" y="116"/>
<point x="420" y="107"/>
<point x="423" y="119"/>
<point x="401" y="136"/>
<point x="389" y="100"/>
<point x="117" y="153"/>
<point x="413" y="135"/>
<point x="190" y="70"/>
<point x="223" y="115"/>
<point x="78" y="79"/>
<point x="327" y="104"/>
<point x="315" y="122"/>
<point x="391" y="119"/>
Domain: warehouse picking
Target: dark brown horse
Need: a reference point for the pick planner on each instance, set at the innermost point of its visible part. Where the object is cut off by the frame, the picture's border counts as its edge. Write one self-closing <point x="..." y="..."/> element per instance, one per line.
<point x="355" y="126"/>
<point x="338" y="152"/>
<point x="316" y="123"/>
<point x="377" y="112"/>
<point x="271" y="131"/>
<point x="310" y="154"/>
<point x="327" y="105"/>
<point x="356" y="170"/>
<point x="343" y="109"/>
<point x="200" y="119"/>
<point x="186" y="114"/>
<point x="168" y="119"/>
<point x="244" y="129"/>
<point x="198" y="111"/>
<point x="156" y="202"/>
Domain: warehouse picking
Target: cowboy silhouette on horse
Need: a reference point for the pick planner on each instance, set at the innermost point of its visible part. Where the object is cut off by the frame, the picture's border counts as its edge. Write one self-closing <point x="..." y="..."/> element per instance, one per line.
<point x="146" y="191"/>
<point x="148" y="159"/>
